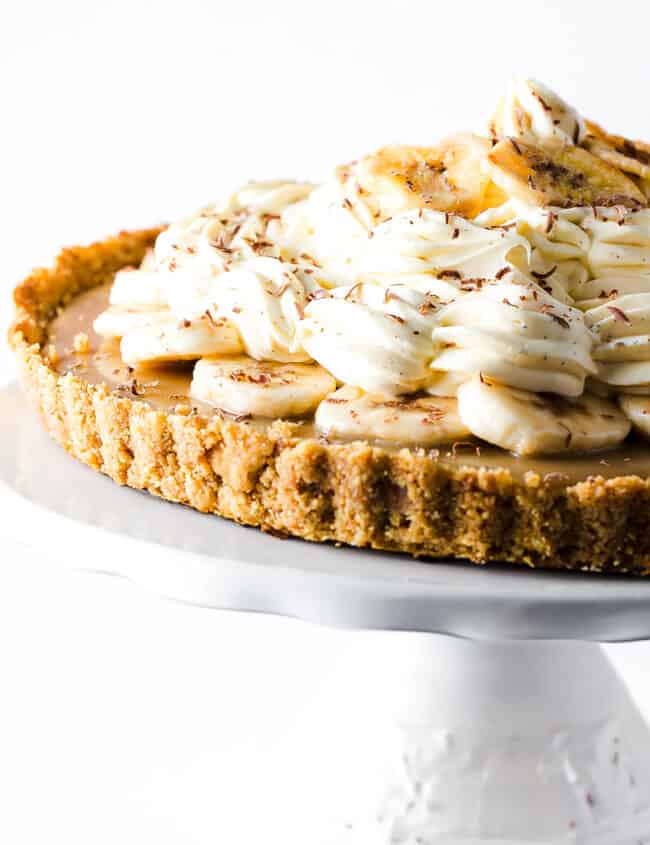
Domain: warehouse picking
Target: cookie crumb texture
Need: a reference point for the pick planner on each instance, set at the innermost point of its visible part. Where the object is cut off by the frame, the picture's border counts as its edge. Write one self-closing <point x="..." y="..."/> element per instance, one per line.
<point x="351" y="493"/>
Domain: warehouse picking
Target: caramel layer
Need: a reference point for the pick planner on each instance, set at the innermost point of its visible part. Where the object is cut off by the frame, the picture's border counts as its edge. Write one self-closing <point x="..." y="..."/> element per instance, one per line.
<point x="165" y="388"/>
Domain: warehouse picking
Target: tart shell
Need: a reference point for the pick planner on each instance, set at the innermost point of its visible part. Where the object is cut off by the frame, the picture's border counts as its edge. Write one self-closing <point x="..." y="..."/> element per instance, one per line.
<point x="354" y="493"/>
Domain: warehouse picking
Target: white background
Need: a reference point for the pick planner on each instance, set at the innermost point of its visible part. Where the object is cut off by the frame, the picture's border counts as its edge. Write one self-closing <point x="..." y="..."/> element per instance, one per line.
<point x="124" y="718"/>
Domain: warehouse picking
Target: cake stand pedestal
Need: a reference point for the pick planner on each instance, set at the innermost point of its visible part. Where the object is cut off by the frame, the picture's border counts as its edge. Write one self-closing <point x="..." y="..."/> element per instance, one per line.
<point x="473" y="704"/>
<point x="430" y="739"/>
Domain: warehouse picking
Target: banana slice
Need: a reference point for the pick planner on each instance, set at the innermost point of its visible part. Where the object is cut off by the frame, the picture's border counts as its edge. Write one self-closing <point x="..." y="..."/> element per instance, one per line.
<point x="563" y="177"/>
<point x="116" y="321"/>
<point x="134" y="288"/>
<point x="637" y="410"/>
<point x="242" y="385"/>
<point x="351" y="413"/>
<point x="534" y="424"/>
<point x="179" y="340"/>
<point x="629" y="156"/>
<point x="451" y="177"/>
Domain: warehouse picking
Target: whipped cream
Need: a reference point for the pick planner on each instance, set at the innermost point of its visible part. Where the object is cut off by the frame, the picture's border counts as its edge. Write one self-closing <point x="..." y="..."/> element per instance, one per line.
<point x="517" y="335"/>
<point x="264" y="299"/>
<point x="620" y="239"/>
<point x="435" y="252"/>
<point x="536" y="298"/>
<point x="327" y="232"/>
<point x="616" y="299"/>
<point x="376" y="338"/>
<point x="560" y="247"/>
<point x="532" y="112"/>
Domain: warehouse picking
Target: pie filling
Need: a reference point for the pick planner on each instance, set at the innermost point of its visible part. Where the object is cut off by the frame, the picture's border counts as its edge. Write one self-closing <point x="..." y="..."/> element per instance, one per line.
<point x="168" y="388"/>
<point x="486" y="298"/>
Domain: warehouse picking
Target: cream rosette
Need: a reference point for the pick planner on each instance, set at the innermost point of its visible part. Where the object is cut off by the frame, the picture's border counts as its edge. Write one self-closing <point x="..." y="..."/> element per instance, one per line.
<point x="329" y="231"/>
<point x="532" y="112"/>
<point x="617" y="301"/>
<point x="375" y="338"/>
<point x="620" y="239"/>
<point x="189" y="256"/>
<point x="217" y="234"/>
<point x="182" y="277"/>
<point x="515" y="334"/>
<point x="622" y="353"/>
<point x="560" y="247"/>
<point x="440" y="254"/>
<point x="195" y="250"/>
<point x="557" y="259"/>
<point x="265" y="301"/>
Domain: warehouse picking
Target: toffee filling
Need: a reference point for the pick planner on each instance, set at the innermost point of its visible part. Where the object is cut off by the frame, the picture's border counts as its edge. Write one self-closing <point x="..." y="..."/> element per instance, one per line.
<point x="167" y="387"/>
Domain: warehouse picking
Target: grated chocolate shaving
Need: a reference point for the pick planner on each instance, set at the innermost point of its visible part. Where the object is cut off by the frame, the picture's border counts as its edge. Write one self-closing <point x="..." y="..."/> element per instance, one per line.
<point x="619" y="314"/>
<point x="550" y="221"/>
<point x="542" y="276"/>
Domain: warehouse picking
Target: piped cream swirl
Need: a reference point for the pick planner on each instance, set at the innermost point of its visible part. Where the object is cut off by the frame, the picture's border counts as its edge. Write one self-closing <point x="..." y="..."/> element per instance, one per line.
<point x="372" y="337"/>
<point x="532" y="112"/>
<point x="517" y="335"/>
<point x="616" y="300"/>
<point x="435" y="252"/>
<point x="264" y="299"/>
<point x="424" y="299"/>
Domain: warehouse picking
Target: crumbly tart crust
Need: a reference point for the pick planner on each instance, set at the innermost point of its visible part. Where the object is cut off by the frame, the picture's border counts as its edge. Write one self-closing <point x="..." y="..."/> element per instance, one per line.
<point x="354" y="493"/>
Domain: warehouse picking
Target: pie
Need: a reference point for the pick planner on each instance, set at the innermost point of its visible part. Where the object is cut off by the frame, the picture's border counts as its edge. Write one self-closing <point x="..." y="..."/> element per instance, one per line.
<point x="441" y="350"/>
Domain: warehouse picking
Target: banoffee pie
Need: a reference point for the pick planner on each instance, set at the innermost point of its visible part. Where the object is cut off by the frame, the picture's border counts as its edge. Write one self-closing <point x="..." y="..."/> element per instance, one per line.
<point x="441" y="350"/>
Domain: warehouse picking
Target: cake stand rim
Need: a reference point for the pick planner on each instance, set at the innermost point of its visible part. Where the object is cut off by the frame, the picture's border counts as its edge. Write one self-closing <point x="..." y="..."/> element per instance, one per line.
<point x="171" y="549"/>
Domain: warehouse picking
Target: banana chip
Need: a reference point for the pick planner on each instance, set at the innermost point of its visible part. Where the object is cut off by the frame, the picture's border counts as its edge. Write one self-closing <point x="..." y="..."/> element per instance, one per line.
<point x="562" y="177"/>
<point x="451" y="177"/>
<point x="631" y="157"/>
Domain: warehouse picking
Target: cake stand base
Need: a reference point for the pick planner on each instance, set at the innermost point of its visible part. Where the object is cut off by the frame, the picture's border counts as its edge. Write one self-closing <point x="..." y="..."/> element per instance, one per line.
<point x="418" y="739"/>
<point x="421" y="739"/>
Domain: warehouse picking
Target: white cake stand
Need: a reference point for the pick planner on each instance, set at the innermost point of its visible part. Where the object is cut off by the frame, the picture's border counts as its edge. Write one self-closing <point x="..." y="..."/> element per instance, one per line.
<point x="513" y="728"/>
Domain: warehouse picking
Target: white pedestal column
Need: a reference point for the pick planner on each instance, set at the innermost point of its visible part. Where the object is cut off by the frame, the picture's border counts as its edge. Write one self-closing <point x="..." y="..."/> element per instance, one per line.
<point x="421" y="740"/>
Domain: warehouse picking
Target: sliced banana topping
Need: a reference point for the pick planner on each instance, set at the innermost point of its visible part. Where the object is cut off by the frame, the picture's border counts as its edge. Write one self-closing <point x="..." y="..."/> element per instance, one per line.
<point x="563" y="177"/>
<point x="179" y="340"/>
<point x="505" y="267"/>
<point x="451" y="176"/>
<point x="117" y="321"/>
<point x="631" y="157"/>
<point x="133" y="288"/>
<point x="422" y="421"/>
<point x="533" y="424"/>
<point x="637" y="410"/>
<point x="242" y="385"/>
